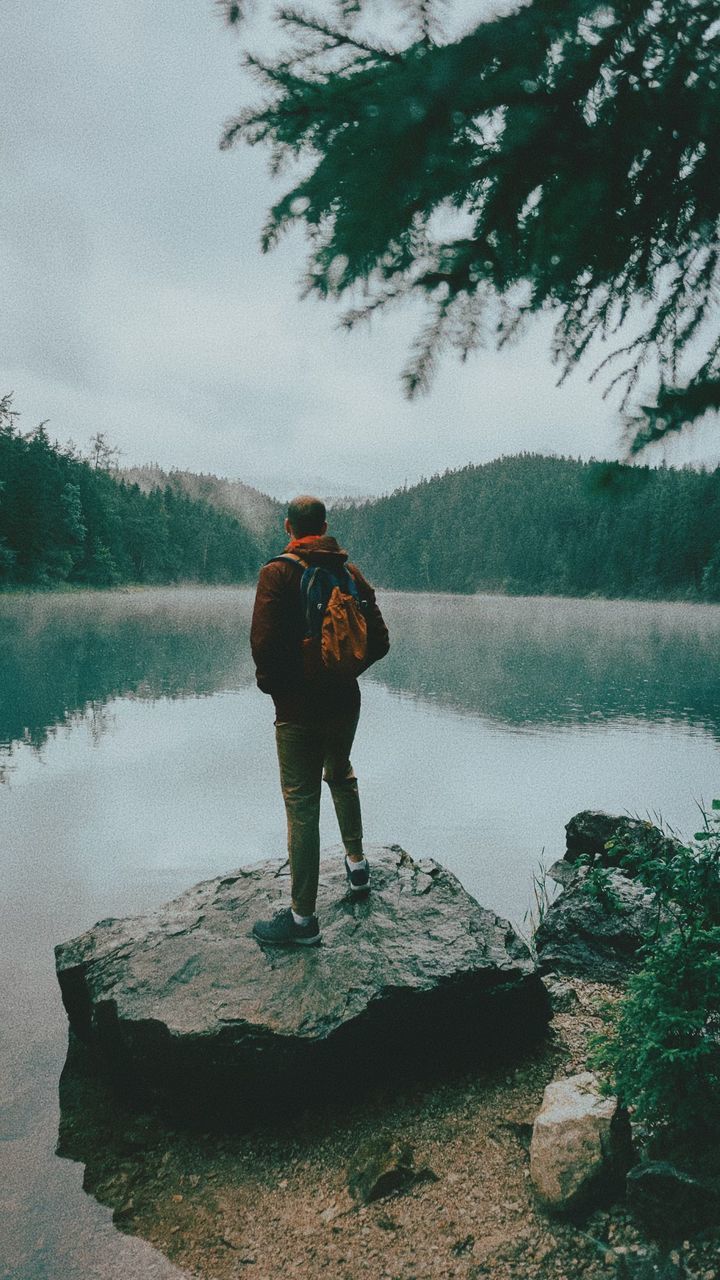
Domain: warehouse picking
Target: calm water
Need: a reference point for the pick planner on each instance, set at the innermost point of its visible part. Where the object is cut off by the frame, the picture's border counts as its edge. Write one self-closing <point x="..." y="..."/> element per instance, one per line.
<point x="136" y="757"/>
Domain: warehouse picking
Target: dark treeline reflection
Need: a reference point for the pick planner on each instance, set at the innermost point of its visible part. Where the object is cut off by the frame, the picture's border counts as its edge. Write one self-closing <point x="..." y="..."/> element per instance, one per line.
<point x="539" y="661"/>
<point x="522" y="661"/>
<point x="62" y="656"/>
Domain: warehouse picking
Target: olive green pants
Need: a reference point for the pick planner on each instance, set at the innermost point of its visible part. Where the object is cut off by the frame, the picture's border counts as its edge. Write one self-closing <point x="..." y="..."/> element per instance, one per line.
<point x="307" y="753"/>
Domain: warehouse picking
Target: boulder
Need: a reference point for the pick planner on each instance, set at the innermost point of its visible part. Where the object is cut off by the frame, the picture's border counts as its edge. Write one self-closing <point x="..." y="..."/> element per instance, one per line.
<point x="671" y="1203"/>
<point x="605" y="838"/>
<point x="596" y="935"/>
<point x="184" y="1006"/>
<point x="580" y="1148"/>
<point x="595" y="927"/>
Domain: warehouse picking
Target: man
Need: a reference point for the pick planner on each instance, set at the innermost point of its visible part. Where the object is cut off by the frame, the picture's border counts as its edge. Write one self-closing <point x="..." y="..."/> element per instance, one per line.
<point x="316" y="715"/>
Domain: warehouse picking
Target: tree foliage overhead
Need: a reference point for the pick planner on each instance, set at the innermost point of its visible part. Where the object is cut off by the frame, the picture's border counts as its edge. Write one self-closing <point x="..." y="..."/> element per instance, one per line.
<point x="578" y="145"/>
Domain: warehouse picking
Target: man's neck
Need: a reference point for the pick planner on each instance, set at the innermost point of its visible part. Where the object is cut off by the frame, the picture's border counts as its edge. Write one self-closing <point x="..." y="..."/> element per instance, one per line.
<point x="306" y="541"/>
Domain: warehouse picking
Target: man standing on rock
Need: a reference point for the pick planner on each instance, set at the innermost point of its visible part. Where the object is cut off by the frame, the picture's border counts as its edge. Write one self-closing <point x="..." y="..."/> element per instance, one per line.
<point x="312" y="634"/>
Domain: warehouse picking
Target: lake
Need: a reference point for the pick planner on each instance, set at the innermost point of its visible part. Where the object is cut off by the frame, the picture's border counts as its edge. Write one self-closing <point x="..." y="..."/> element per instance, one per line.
<point x="137" y="757"/>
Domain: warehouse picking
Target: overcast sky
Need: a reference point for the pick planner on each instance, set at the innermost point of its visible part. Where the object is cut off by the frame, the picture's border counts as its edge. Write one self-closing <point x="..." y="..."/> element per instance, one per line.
<point x="136" y="300"/>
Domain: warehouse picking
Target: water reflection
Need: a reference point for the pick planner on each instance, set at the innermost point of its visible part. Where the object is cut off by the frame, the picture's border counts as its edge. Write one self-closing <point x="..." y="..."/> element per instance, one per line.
<point x="545" y="661"/>
<point x="521" y="661"/>
<point x="63" y="656"/>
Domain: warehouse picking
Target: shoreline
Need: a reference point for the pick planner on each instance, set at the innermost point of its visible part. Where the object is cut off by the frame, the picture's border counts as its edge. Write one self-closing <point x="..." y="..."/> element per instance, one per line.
<point x="19" y="590"/>
<point x="274" y="1202"/>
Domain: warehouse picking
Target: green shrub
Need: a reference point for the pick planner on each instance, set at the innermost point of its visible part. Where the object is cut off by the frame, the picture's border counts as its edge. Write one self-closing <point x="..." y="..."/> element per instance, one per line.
<point x="662" y="1051"/>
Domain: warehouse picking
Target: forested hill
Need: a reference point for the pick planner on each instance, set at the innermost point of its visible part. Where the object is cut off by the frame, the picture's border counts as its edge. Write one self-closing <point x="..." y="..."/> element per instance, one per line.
<point x="259" y="513"/>
<point x="63" y="520"/>
<point x="527" y="523"/>
<point x="544" y="525"/>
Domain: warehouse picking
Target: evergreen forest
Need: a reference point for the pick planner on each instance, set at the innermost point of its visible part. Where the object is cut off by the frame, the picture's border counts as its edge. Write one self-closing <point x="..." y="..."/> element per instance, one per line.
<point x="545" y="525"/>
<point x="525" y="524"/>
<point x="63" y="520"/>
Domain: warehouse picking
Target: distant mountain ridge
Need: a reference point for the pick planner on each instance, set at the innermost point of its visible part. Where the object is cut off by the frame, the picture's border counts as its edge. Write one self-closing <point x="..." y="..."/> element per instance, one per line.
<point x="257" y="512"/>
<point x="524" y="523"/>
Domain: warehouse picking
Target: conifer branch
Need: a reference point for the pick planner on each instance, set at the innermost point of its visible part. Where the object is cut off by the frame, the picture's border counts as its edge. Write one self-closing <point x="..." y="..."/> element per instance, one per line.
<point x="581" y="140"/>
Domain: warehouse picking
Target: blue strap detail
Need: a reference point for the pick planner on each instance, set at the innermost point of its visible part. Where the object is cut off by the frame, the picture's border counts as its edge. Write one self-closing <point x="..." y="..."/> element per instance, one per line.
<point x="316" y="587"/>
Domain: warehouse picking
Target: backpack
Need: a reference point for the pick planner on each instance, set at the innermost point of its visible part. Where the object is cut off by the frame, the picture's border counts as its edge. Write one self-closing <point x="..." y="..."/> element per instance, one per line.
<point x="335" y="639"/>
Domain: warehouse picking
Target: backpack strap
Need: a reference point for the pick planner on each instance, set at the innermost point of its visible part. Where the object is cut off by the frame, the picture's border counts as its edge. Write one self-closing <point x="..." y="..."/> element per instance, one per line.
<point x="287" y="555"/>
<point x="306" y="581"/>
<point x="353" y="588"/>
<point x="305" y="578"/>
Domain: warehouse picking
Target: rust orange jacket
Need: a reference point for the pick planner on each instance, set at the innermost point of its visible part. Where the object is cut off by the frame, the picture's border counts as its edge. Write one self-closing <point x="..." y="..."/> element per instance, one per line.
<point x="278" y="628"/>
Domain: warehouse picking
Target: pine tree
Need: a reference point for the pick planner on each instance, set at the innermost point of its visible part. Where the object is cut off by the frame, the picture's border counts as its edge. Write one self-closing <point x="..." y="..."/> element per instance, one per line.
<point x="580" y="143"/>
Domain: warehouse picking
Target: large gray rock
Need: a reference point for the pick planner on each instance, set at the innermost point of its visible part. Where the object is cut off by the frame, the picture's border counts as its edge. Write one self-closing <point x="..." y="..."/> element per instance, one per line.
<point x="608" y="839"/>
<point x="580" y="1148"/>
<point x="185" y="1006"/>
<point x="596" y="926"/>
<point x="596" y="936"/>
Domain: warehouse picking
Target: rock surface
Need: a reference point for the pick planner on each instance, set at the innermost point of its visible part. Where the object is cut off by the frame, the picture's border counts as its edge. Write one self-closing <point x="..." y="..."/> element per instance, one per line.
<point x="607" y="838"/>
<point x="596" y="937"/>
<point x="563" y="996"/>
<point x="580" y="1148"/>
<point x="595" y="927"/>
<point x="183" y="1005"/>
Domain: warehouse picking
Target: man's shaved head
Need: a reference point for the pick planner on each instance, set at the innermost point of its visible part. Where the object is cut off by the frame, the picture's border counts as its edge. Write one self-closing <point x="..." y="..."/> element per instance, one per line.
<point x="306" y="515"/>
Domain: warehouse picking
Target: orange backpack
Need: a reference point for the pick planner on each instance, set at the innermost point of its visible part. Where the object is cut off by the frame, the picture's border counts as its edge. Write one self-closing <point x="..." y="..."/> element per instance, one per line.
<point x="335" y="625"/>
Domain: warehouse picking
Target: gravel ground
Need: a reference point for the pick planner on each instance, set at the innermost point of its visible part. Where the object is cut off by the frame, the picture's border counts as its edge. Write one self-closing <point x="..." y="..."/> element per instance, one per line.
<point x="275" y="1204"/>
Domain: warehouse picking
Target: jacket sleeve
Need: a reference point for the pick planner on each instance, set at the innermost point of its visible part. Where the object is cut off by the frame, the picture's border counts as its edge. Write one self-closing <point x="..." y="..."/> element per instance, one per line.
<point x="378" y="638"/>
<point x="277" y="667"/>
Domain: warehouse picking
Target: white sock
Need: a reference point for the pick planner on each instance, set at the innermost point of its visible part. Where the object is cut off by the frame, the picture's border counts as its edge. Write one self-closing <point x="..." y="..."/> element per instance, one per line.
<point x="356" y="866"/>
<point x="300" y="919"/>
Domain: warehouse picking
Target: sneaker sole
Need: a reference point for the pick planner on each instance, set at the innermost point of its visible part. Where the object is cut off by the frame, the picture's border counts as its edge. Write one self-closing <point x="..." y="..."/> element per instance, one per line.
<point x="288" y="942"/>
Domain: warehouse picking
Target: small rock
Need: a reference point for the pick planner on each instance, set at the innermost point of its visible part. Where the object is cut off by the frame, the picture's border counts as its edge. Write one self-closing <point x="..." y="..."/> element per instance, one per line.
<point x="580" y="1147"/>
<point x="563" y="996"/>
<point x="463" y="1246"/>
<point x="379" y="1167"/>
<point x="667" y="1201"/>
<point x="562" y="872"/>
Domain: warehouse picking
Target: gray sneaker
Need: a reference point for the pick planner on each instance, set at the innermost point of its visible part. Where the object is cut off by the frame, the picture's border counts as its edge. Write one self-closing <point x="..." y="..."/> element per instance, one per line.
<point x="358" y="877"/>
<point x="282" y="931"/>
